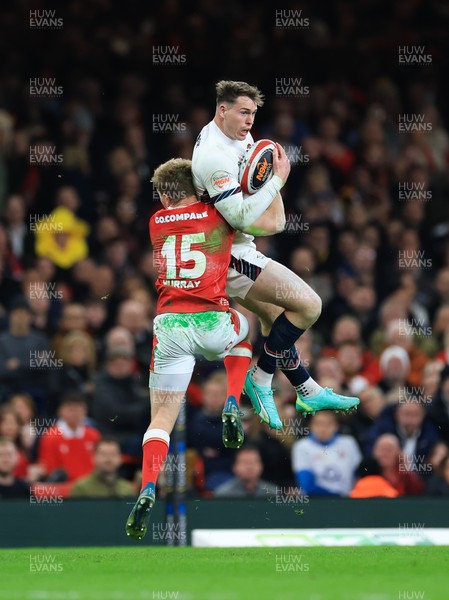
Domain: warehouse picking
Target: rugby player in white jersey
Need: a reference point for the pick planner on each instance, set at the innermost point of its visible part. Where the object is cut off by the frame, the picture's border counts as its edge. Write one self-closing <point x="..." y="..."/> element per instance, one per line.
<point x="252" y="277"/>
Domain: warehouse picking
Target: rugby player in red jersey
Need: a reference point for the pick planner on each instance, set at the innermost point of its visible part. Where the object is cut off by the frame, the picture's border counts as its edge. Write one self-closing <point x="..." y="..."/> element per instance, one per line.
<point x="192" y="244"/>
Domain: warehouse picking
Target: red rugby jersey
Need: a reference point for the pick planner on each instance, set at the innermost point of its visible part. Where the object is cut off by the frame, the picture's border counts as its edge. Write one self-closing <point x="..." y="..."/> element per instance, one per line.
<point x="192" y="247"/>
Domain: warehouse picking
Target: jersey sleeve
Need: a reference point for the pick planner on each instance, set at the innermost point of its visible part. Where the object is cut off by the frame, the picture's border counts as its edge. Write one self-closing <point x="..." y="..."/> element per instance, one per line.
<point x="221" y="177"/>
<point x="225" y="193"/>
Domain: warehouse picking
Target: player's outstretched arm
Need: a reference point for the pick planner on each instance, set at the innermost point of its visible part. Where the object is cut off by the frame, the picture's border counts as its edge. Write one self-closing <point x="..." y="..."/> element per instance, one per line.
<point x="242" y="212"/>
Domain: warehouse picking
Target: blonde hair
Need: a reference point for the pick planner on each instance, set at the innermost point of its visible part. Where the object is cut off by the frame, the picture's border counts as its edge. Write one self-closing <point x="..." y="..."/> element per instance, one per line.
<point x="79" y="337"/>
<point x="228" y="91"/>
<point x="174" y="178"/>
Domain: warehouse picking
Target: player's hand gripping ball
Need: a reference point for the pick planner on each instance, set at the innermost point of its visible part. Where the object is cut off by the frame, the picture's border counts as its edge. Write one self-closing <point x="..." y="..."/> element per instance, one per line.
<point x="256" y="167"/>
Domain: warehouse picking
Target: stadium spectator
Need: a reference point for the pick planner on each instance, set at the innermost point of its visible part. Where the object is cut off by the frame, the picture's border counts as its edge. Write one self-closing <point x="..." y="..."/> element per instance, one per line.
<point x="20" y="352"/>
<point x="324" y="463"/>
<point x="338" y="306"/>
<point x="66" y="449"/>
<point x="78" y="357"/>
<point x="346" y="329"/>
<point x="82" y="276"/>
<point x="116" y="256"/>
<point x="388" y="453"/>
<point x="18" y="230"/>
<point x="104" y="481"/>
<point x="11" y="271"/>
<point x="394" y="369"/>
<point x="438" y="484"/>
<point x="40" y="305"/>
<point x="350" y="358"/>
<point x="441" y="288"/>
<point x="103" y="286"/>
<point x="273" y="445"/>
<point x="25" y="409"/>
<point x="247" y="483"/>
<point x="120" y="405"/>
<point x="412" y="427"/>
<point x="78" y="354"/>
<point x="329" y="372"/>
<point x="303" y="263"/>
<point x="439" y="405"/>
<point x="319" y="240"/>
<point x="363" y="303"/>
<point x="119" y="337"/>
<point x="414" y="302"/>
<point x="440" y="330"/>
<point x="205" y="431"/>
<point x="63" y="239"/>
<point x="11" y="488"/>
<point x="73" y="318"/>
<point x="431" y="379"/>
<point x="399" y="334"/>
<point x="434" y="458"/>
<point x="97" y="314"/>
<point x="372" y="402"/>
<point x="390" y="310"/>
<point x="370" y="483"/>
<point x="131" y="316"/>
<point x="10" y="429"/>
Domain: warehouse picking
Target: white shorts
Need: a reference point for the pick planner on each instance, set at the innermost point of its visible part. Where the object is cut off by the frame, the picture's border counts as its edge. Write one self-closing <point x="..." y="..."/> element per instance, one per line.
<point x="244" y="268"/>
<point x="178" y="337"/>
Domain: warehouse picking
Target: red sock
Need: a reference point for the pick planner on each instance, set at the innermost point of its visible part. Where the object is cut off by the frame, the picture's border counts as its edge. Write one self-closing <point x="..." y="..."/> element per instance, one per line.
<point x="236" y="365"/>
<point x="155" y="449"/>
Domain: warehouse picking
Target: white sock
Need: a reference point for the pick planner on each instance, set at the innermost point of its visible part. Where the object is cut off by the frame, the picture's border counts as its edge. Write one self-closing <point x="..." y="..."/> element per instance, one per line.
<point x="309" y="388"/>
<point x="262" y="377"/>
<point x="156" y="434"/>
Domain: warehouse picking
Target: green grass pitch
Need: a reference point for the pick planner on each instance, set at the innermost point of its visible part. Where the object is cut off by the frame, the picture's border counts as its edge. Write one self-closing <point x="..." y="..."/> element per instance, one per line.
<point x="160" y="573"/>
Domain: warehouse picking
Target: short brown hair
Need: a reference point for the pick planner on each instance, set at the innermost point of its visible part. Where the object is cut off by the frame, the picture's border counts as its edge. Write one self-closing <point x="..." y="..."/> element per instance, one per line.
<point x="229" y="91"/>
<point x="106" y="441"/>
<point x="174" y="178"/>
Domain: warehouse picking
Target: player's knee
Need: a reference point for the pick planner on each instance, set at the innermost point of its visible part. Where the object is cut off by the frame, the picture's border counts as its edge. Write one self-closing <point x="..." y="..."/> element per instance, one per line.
<point x="265" y="326"/>
<point x="311" y="308"/>
<point x="316" y="307"/>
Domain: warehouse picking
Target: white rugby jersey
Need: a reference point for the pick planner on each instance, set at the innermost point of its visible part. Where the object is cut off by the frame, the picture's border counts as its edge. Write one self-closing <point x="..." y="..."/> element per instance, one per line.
<point x="333" y="464"/>
<point x="215" y="168"/>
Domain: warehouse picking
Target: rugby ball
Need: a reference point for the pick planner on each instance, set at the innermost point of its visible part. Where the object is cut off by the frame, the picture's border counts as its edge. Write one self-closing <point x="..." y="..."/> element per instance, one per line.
<point x="256" y="167"/>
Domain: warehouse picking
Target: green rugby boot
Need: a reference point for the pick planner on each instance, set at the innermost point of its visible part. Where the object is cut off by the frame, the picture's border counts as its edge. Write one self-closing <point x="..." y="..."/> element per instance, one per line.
<point x="233" y="435"/>
<point x="137" y="523"/>
<point x="326" y="399"/>
<point x="262" y="399"/>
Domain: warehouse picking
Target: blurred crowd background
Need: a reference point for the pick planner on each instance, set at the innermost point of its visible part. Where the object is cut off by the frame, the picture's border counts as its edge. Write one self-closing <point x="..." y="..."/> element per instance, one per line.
<point x="89" y="108"/>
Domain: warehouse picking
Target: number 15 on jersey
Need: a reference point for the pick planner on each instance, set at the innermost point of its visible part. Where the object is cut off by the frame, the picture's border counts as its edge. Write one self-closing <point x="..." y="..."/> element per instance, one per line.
<point x="186" y="255"/>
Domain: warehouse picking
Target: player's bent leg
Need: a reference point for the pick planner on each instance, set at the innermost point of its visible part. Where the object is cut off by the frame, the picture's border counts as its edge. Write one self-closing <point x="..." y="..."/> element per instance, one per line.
<point x="236" y="363"/>
<point x="280" y="287"/>
<point x="165" y="406"/>
<point x="237" y="355"/>
<point x="259" y="391"/>
<point x="262" y="399"/>
<point x="224" y="335"/>
<point x="290" y="306"/>
<point x="311" y="397"/>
